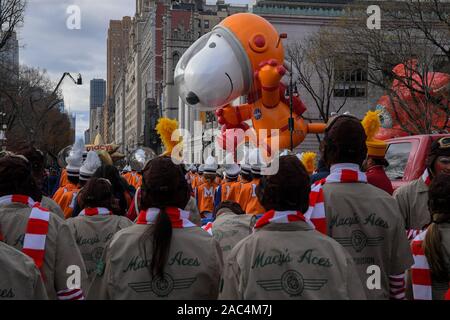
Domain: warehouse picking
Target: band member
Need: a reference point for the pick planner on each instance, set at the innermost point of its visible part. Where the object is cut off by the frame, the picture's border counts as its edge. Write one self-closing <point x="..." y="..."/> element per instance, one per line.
<point x="285" y="258"/>
<point x="163" y="256"/>
<point x="68" y="201"/>
<point x="28" y="227"/>
<point x="100" y="218"/>
<point x="230" y="225"/>
<point x="74" y="163"/>
<point x="230" y="188"/>
<point x="429" y="276"/>
<point x="361" y="217"/>
<point x="205" y="192"/>
<point x="412" y="198"/>
<point x="247" y="197"/>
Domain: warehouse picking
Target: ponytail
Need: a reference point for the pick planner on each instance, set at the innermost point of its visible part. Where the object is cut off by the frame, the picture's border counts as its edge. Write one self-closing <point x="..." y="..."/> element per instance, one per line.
<point x="433" y="252"/>
<point x="162" y="237"/>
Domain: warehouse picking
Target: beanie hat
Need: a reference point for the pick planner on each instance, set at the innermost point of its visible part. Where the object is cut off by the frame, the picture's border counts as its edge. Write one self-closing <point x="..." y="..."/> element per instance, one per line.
<point x="91" y="164"/>
<point x="75" y="159"/>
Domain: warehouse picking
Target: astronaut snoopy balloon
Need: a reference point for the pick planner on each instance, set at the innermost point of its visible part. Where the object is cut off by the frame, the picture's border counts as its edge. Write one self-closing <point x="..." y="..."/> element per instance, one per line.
<point x="243" y="55"/>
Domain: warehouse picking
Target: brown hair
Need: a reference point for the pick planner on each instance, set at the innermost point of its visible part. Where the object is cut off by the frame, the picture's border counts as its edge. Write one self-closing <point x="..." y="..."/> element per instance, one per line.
<point x="16" y="177"/>
<point x="163" y="185"/>
<point x="98" y="193"/>
<point x="288" y="189"/>
<point x="344" y="141"/>
<point x="439" y="206"/>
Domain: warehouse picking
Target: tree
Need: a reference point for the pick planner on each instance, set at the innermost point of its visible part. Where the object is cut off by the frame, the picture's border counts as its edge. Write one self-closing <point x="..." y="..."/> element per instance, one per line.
<point x="31" y="101"/>
<point x="11" y="17"/>
<point x="315" y="70"/>
<point x="413" y="33"/>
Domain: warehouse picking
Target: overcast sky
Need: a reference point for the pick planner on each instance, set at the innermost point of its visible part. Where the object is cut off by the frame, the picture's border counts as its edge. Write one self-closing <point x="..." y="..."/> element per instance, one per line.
<point x="48" y="44"/>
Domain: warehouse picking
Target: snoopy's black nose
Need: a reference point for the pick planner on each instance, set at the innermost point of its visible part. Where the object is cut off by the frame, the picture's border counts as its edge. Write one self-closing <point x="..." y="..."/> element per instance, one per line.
<point x="192" y="98"/>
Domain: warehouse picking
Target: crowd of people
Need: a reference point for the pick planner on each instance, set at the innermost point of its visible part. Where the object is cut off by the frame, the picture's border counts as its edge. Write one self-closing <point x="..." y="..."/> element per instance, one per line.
<point x="168" y="231"/>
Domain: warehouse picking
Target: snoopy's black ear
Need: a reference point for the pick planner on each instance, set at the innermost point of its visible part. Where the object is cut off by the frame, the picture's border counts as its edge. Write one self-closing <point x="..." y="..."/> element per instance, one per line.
<point x="258" y="43"/>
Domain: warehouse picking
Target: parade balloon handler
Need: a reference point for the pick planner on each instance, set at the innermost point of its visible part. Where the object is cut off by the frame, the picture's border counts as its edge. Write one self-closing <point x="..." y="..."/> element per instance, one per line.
<point x="100" y="218"/>
<point x="285" y="258"/>
<point x="230" y="225"/>
<point x="376" y="151"/>
<point x="37" y="159"/>
<point x="20" y="278"/>
<point x="251" y="56"/>
<point x="362" y="218"/>
<point x="429" y="276"/>
<point x="412" y="198"/>
<point x="165" y="255"/>
<point x="36" y="232"/>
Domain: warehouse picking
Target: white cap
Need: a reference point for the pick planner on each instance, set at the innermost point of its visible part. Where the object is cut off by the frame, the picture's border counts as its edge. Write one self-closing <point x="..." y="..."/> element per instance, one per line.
<point x="211" y="165"/>
<point x="256" y="161"/>
<point x="232" y="171"/>
<point x="75" y="159"/>
<point x="91" y="164"/>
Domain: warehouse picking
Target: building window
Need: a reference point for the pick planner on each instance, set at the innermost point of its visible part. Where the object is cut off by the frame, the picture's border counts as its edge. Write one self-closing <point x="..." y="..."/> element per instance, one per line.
<point x="350" y="77"/>
<point x="206" y="24"/>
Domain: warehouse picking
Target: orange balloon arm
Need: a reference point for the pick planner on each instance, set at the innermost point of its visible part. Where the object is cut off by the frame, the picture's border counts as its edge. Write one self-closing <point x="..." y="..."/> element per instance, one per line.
<point x="316" y="127"/>
<point x="232" y="116"/>
<point x="269" y="77"/>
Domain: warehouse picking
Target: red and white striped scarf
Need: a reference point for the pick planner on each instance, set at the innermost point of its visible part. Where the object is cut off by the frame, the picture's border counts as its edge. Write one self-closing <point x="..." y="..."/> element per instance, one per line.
<point x="273" y="216"/>
<point x="95" y="212"/>
<point x="426" y="178"/>
<point x="340" y="173"/>
<point x="178" y="217"/>
<point x="208" y="227"/>
<point x="420" y="271"/>
<point x="37" y="228"/>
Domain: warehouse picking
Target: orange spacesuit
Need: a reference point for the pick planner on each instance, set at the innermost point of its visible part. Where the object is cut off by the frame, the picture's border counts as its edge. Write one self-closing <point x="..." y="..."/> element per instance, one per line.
<point x="243" y="55"/>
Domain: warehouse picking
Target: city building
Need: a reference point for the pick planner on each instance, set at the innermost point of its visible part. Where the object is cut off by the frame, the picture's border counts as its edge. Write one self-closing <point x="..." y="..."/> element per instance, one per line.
<point x="9" y="55"/>
<point x="119" y="111"/>
<point x="117" y="50"/>
<point x="96" y="102"/>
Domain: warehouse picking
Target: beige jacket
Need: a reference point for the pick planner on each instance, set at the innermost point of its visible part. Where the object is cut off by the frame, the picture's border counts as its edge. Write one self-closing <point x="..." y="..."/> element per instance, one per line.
<point x="366" y="221"/>
<point x="192" y="207"/>
<point x="51" y="205"/>
<point x="412" y="200"/>
<point x="289" y="261"/>
<point x="19" y="279"/>
<point x="192" y="270"/>
<point x="61" y="251"/>
<point x="229" y="228"/>
<point x="92" y="234"/>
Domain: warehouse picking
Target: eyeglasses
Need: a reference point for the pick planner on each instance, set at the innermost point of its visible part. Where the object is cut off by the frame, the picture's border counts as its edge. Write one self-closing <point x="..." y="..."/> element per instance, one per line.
<point x="444" y="143"/>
